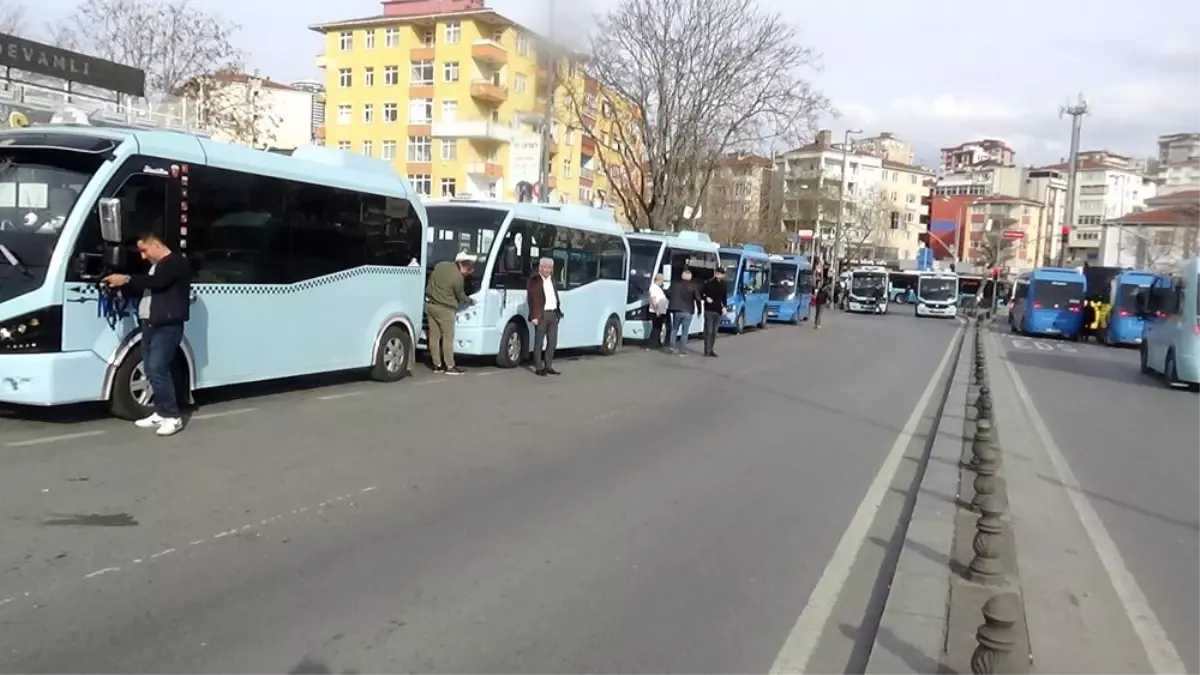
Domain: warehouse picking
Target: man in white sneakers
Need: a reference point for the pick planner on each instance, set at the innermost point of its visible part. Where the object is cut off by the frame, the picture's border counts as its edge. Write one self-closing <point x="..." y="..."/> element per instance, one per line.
<point x="163" y="311"/>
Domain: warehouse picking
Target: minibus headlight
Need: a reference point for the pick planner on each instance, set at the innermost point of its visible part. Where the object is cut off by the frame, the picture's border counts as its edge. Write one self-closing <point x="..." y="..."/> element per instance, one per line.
<point x="33" y="333"/>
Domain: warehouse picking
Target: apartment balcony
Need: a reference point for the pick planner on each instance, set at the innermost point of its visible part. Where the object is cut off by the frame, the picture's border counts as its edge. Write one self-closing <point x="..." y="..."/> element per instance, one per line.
<point x="421" y="54"/>
<point x="322" y="61"/>
<point x="487" y="169"/>
<point x="587" y="146"/>
<point x="489" y="92"/>
<point x="486" y="51"/>
<point x="480" y="130"/>
<point x="587" y="175"/>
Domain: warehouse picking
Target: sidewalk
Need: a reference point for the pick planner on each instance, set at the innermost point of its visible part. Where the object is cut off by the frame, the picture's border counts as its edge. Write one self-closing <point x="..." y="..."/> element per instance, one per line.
<point x="1073" y="618"/>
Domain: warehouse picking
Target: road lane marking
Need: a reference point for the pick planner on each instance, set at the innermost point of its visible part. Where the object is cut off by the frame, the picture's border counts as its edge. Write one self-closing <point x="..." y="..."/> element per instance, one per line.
<point x="97" y="573"/>
<point x="802" y="642"/>
<point x="1041" y="346"/>
<point x="1159" y="649"/>
<point x="425" y="382"/>
<point x="346" y="394"/>
<point x="224" y="413"/>
<point x="54" y="439"/>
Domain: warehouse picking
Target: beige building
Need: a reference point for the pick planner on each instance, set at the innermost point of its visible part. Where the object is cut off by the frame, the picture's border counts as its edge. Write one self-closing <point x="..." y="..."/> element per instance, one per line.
<point x="902" y="185"/>
<point x="744" y="198"/>
<point x="888" y="147"/>
<point x="1004" y="231"/>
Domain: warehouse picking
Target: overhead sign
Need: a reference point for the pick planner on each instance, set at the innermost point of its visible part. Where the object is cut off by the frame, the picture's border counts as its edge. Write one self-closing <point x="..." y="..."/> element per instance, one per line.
<point x="43" y="59"/>
<point x="1013" y="234"/>
<point x="925" y="259"/>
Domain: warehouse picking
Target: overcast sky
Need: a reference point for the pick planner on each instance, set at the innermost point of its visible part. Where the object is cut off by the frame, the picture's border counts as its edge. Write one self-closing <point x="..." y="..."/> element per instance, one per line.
<point x="935" y="72"/>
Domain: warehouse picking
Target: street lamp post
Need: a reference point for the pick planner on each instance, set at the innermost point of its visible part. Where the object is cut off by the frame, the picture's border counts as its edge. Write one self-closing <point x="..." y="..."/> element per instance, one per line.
<point x="837" y="228"/>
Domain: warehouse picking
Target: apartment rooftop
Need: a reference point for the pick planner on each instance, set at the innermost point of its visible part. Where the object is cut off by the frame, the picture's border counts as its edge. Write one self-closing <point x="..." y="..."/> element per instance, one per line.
<point x="420" y="12"/>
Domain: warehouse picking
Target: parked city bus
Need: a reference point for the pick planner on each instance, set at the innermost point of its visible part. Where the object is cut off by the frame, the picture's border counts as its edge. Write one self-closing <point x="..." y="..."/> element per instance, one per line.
<point x="507" y="240"/>
<point x="791" y="288"/>
<point x="938" y="294"/>
<point x="1018" y="291"/>
<point x="969" y="286"/>
<point x="902" y="286"/>
<point x="1052" y="303"/>
<point x="1124" y="326"/>
<point x="1171" y="336"/>
<point x="668" y="254"/>
<point x="747" y="274"/>
<point x="867" y="290"/>
<point x="303" y="264"/>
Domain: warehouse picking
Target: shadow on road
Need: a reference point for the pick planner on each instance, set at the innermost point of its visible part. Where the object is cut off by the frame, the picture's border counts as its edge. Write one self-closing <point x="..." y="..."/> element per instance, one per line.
<point x="1190" y="525"/>
<point x="911" y="655"/>
<point x="1099" y="369"/>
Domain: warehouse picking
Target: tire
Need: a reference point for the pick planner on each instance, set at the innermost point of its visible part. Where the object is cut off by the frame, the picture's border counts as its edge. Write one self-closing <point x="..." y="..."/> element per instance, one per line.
<point x="514" y="345"/>
<point x="131" y="398"/>
<point x="393" y="356"/>
<point x="1145" y="359"/>
<point x="762" y="324"/>
<point x="1170" y="373"/>
<point x="795" y="318"/>
<point x="740" y="326"/>
<point x="611" y="339"/>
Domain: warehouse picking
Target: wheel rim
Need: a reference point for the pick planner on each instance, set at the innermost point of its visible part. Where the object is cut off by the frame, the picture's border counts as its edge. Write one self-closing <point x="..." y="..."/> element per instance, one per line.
<point x="513" y="348"/>
<point x="139" y="386"/>
<point x="610" y="338"/>
<point x="393" y="355"/>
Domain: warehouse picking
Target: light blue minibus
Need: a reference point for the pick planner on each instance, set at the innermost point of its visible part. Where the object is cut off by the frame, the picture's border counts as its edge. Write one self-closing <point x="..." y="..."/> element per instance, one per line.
<point x="1171" y="335"/>
<point x="669" y="254"/>
<point x="507" y="239"/>
<point x="304" y="264"/>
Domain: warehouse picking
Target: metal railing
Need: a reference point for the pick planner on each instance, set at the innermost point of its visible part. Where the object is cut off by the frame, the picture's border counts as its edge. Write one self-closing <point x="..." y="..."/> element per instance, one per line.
<point x="167" y="112"/>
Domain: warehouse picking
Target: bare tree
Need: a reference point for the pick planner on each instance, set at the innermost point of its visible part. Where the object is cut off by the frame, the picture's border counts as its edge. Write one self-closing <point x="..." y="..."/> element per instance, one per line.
<point x="682" y="83"/>
<point x="12" y="17"/>
<point x="992" y="249"/>
<point x="868" y="223"/>
<point x="174" y="41"/>
<point x="235" y="107"/>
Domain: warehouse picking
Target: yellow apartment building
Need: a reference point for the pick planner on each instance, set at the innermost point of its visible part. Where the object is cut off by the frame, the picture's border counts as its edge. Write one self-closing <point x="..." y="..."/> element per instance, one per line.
<point x="454" y="95"/>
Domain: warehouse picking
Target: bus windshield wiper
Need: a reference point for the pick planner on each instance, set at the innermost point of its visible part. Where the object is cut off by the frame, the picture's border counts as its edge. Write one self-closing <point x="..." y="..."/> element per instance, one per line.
<point x="14" y="260"/>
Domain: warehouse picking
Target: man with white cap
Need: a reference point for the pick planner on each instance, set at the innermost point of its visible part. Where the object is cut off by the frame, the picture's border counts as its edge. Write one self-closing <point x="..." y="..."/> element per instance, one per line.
<point x="444" y="294"/>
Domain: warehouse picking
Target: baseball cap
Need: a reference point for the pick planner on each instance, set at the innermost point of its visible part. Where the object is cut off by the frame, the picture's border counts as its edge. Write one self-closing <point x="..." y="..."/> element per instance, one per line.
<point x="464" y="257"/>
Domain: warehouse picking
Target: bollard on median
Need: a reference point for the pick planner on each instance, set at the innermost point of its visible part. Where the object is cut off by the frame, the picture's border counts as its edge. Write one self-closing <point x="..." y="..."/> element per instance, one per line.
<point x="997" y="637"/>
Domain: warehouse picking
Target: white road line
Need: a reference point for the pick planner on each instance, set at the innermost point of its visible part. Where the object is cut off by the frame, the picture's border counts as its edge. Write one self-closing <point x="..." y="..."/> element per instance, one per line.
<point x="1159" y="648"/>
<point x="425" y="382"/>
<point x="802" y="642"/>
<point x="346" y="394"/>
<point x="486" y="373"/>
<point x="224" y="413"/>
<point x="54" y="439"/>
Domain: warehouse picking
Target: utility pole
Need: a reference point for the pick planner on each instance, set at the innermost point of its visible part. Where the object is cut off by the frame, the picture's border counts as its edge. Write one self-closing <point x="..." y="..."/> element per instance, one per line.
<point x="1076" y="112"/>
<point x="548" y="119"/>
<point x="836" y="263"/>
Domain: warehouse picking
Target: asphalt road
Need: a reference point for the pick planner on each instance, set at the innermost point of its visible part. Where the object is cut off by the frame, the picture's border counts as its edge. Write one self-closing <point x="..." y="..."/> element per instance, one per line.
<point x="642" y="513"/>
<point x="1132" y="444"/>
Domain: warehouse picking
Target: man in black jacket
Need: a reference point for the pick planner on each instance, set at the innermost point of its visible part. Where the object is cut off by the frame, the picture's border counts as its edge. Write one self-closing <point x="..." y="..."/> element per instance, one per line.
<point x="713" y="292"/>
<point x="163" y="310"/>
<point x="683" y="300"/>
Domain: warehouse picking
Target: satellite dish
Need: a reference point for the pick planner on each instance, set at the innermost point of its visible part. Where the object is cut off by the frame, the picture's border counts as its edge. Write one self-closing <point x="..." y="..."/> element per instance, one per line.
<point x="17" y="120"/>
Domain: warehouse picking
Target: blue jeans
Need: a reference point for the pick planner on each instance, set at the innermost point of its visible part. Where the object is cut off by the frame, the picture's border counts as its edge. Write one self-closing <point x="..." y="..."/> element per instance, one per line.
<point x="159" y="344"/>
<point x="680" y="323"/>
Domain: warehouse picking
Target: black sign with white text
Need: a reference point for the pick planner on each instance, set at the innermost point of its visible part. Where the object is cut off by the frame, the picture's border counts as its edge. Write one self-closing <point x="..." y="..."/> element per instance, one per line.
<point x="43" y="59"/>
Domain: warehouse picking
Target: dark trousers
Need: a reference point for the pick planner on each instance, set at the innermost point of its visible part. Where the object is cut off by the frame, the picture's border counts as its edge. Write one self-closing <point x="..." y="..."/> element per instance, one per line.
<point x="817" y="315"/>
<point x="712" y="321"/>
<point x="547" y="332"/>
<point x="658" y="326"/>
<point x="159" y="344"/>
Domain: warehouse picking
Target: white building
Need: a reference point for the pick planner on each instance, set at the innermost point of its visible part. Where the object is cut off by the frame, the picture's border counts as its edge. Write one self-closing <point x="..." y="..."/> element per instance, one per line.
<point x="255" y="111"/>
<point x="974" y="153"/>
<point x="1177" y="166"/>
<point x="317" y="89"/>
<point x="1048" y="187"/>
<point x="1158" y="238"/>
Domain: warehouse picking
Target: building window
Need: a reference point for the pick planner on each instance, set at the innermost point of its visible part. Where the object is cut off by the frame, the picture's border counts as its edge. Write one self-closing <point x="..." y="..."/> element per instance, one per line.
<point x="567" y="167"/>
<point x="520" y="83"/>
<point x="369" y="43"/>
<point x="420" y="73"/>
<point x="427" y="38"/>
<point x="570" y="136"/>
<point x="391" y="37"/>
<point x="391" y="75"/>
<point x="388" y="151"/>
<point x="368" y="113"/>
<point x="345" y="78"/>
<point x="912" y="178"/>
<point x="420" y="149"/>
<point x="910" y="217"/>
<point x="346" y="40"/>
<point x="344" y="114"/>
<point x="422" y="184"/>
<point x="368" y="148"/>
<point x="453" y="33"/>
<point x="449" y="111"/>
<point x="911" y="199"/>
<point x="449" y="187"/>
<point x="390" y="113"/>
<point x="523" y="45"/>
<point x="420" y="111"/>
<point x="449" y="150"/>
<point x="343" y="145"/>
<point x="450" y="71"/>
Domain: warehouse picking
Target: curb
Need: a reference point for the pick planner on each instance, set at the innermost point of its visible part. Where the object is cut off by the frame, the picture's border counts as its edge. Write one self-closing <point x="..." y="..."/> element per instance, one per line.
<point x="912" y="630"/>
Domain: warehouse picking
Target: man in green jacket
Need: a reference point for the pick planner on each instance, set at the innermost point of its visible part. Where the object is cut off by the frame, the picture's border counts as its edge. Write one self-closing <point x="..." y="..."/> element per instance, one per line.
<point x="444" y="294"/>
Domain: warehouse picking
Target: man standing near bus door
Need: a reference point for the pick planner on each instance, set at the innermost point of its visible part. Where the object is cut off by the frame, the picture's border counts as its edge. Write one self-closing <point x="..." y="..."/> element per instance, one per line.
<point x="545" y="311"/>
<point x="713" y="292"/>
<point x="163" y="310"/>
<point x="444" y="294"/>
<point x="683" y="301"/>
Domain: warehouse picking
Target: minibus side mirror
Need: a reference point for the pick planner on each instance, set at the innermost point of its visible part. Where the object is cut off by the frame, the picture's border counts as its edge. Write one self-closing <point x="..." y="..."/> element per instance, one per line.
<point x="110" y="220"/>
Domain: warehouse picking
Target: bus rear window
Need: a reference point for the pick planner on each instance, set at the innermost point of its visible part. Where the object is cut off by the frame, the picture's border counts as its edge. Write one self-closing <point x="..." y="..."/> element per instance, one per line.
<point x="1057" y="294"/>
<point x="1127" y="296"/>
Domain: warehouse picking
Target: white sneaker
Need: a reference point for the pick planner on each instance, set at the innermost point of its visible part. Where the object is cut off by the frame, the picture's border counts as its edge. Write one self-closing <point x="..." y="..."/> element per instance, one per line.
<point x="170" y="426"/>
<point x="149" y="422"/>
